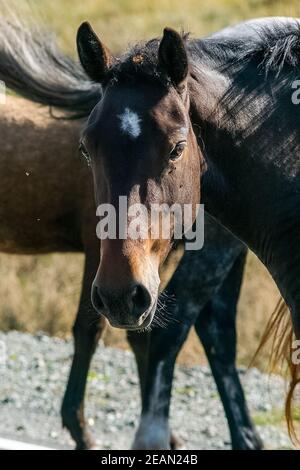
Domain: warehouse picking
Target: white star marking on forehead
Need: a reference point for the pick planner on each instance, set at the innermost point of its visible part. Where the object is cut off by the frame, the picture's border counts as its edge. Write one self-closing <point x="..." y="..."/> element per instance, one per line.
<point x="130" y="123"/>
<point x="184" y="131"/>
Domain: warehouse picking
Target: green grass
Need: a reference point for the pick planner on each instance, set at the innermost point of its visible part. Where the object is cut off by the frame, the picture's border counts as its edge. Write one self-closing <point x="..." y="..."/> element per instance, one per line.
<point x="97" y="377"/>
<point x="274" y="417"/>
<point x="122" y="22"/>
<point x="187" y="390"/>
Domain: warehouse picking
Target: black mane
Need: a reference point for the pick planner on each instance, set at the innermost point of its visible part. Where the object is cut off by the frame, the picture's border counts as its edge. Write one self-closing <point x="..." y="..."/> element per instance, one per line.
<point x="271" y="46"/>
<point x="261" y="61"/>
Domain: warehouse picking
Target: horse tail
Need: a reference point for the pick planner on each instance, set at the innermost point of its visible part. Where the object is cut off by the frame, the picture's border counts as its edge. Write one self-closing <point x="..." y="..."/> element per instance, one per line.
<point x="32" y="65"/>
<point x="280" y="331"/>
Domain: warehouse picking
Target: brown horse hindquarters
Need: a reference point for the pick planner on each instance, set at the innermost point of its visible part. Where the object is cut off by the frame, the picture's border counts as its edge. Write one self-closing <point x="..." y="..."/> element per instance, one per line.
<point x="45" y="188"/>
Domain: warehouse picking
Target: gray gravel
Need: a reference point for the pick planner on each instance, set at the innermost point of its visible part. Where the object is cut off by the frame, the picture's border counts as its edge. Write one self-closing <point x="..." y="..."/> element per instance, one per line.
<point x="34" y="378"/>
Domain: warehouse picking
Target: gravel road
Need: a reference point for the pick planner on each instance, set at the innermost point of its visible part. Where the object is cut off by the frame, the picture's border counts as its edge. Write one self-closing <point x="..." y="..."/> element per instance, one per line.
<point x="33" y="380"/>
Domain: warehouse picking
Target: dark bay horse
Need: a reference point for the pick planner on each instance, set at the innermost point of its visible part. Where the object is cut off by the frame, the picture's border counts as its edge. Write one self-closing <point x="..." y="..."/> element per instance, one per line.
<point x="235" y="94"/>
<point x="53" y="210"/>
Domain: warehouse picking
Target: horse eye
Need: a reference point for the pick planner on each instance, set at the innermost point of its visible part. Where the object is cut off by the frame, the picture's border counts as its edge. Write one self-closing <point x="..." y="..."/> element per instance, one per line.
<point x="177" y="150"/>
<point x="85" y="153"/>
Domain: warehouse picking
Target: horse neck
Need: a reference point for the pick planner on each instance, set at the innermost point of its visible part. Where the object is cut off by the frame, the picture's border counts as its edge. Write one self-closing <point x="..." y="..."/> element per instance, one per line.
<point x="252" y="178"/>
<point x="206" y="88"/>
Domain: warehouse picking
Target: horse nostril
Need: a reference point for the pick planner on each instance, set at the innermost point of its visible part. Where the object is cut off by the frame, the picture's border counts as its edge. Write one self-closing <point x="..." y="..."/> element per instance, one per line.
<point x="96" y="298"/>
<point x="141" y="299"/>
<point x="122" y="307"/>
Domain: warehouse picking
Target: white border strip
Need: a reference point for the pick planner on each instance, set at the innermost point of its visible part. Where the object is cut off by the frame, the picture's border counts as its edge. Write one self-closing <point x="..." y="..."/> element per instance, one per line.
<point x="8" y="444"/>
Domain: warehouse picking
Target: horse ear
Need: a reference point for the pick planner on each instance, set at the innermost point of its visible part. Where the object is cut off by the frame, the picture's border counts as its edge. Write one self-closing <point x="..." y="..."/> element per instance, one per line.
<point x="172" y="56"/>
<point x="94" y="56"/>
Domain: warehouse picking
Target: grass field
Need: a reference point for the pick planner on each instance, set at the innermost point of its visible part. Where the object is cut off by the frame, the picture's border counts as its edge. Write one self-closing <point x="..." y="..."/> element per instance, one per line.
<point x="27" y="303"/>
<point x="123" y="22"/>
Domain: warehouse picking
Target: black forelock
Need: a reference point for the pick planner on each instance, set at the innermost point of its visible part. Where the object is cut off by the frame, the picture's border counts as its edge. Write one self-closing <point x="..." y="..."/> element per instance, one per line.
<point x="140" y="63"/>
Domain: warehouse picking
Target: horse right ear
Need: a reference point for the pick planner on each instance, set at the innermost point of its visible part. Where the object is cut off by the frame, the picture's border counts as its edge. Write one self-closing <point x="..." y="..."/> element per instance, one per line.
<point x="172" y="56"/>
<point x="94" y="56"/>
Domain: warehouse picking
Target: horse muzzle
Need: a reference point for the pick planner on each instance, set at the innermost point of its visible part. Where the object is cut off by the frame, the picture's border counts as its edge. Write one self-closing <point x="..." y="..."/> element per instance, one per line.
<point x="132" y="308"/>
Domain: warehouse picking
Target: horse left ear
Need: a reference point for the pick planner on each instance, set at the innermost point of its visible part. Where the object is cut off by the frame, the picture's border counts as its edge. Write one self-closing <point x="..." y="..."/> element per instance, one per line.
<point x="95" y="57"/>
<point x="172" y="56"/>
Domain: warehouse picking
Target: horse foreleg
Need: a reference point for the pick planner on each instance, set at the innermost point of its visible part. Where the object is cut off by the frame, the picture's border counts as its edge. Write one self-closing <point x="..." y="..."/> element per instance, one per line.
<point x="87" y="330"/>
<point x="216" y="329"/>
<point x="139" y="343"/>
<point x="156" y="375"/>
